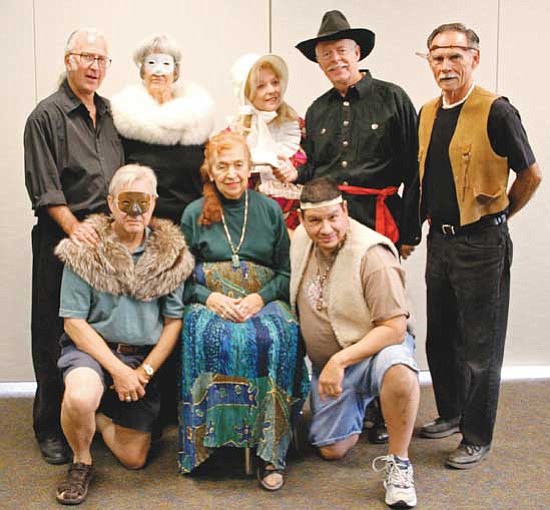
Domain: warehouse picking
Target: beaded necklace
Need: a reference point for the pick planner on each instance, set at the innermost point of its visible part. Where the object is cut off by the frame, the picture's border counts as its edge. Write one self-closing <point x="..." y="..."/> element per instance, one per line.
<point x="321" y="279"/>
<point x="235" y="249"/>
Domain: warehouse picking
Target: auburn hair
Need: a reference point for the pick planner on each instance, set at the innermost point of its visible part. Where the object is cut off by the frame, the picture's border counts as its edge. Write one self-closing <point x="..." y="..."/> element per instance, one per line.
<point x="212" y="206"/>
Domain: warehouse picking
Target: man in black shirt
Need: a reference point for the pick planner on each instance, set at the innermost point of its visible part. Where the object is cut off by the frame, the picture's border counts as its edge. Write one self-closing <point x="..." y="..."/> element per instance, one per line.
<point x="361" y="133"/>
<point x="469" y="138"/>
<point x="71" y="151"/>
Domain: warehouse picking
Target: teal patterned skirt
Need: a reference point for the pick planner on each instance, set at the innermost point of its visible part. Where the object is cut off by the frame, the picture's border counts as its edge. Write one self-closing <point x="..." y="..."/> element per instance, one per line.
<point x="242" y="384"/>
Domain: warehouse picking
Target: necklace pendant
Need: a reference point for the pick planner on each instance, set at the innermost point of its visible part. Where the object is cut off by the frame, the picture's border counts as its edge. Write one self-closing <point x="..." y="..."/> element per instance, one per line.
<point x="319" y="306"/>
<point x="235" y="261"/>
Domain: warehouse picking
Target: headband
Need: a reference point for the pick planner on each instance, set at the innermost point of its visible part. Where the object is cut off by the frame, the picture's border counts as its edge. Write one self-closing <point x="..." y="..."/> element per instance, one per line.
<point x="314" y="205"/>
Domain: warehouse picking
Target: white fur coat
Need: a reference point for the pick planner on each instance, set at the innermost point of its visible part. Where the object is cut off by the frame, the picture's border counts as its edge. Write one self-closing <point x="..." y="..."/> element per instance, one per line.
<point x="188" y="119"/>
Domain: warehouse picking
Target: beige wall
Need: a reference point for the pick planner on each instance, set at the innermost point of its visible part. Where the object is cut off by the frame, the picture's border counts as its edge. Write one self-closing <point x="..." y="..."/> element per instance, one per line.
<point x="213" y="33"/>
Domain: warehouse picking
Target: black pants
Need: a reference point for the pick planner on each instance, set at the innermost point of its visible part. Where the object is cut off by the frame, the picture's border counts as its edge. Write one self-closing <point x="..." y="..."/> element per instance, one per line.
<point x="46" y="327"/>
<point x="468" y="291"/>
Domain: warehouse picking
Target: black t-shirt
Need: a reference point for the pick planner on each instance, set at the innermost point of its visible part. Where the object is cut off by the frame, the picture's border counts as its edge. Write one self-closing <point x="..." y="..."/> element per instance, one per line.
<point x="508" y="139"/>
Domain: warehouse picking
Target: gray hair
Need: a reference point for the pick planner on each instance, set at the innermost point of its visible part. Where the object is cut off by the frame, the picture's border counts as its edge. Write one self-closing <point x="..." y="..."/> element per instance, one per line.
<point x="92" y="35"/>
<point x="471" y="36"/>
<point x="128" y="174"/>
<point x="157" y="43"/>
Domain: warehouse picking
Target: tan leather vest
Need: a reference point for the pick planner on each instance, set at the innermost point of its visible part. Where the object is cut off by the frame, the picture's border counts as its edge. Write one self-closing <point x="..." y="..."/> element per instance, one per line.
<point x="480" y="175"/>
<point x="347" y="309"/>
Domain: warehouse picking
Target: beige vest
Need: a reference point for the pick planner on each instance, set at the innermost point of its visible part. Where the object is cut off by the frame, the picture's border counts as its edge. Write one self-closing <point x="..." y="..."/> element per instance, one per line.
<point x="480" y="175"/>
<point x="347" y="310"/>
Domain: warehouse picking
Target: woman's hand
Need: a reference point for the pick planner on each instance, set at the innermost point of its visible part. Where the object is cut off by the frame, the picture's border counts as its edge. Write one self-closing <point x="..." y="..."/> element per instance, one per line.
<point x="286" y="171"/>
<point x="249" y="306"/>
<point x="224" y="306"/>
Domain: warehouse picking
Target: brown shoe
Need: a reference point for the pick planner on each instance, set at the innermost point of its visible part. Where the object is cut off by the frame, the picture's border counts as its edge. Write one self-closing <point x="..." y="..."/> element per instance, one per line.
<point x="270" y="478"/>
<point x="74" y="489"/>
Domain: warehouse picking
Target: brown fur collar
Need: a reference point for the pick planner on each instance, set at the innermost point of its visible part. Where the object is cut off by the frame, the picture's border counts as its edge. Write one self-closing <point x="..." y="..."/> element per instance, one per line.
<point x="109" y="266"/>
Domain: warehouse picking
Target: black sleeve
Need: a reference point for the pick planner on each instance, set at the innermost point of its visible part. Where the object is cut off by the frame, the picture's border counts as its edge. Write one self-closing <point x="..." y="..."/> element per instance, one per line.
<point x="41" y="173"/>
<point x="507" y="135"/>
<point x="410" y="230"/>
<point x="306" y="172"/>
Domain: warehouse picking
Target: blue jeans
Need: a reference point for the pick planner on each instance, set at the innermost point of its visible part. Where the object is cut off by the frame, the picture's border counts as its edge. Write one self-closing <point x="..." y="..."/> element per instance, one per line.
<point x="468" y="291"/>
<point x="335" y="419"/>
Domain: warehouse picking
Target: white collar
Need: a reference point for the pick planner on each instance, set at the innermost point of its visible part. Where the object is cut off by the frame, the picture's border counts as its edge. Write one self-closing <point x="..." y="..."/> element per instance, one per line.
<point x="446" y="106"/>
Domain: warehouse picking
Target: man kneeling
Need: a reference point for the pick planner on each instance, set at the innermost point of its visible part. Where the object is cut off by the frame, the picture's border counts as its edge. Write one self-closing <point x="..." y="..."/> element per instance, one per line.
<point x="348" y="287"/>
<point x="121" y="300"/>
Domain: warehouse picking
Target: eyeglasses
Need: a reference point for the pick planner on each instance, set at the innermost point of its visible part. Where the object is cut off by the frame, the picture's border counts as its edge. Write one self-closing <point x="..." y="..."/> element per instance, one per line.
<point x="88" y="59"/>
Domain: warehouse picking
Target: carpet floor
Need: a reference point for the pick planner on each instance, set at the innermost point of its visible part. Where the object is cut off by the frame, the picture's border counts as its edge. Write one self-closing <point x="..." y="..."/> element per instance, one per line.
<point x="515" y="476"/>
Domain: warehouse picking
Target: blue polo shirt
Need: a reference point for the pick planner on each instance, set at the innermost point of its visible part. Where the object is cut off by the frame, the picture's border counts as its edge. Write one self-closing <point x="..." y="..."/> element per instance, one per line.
<point x="120" y="319"/>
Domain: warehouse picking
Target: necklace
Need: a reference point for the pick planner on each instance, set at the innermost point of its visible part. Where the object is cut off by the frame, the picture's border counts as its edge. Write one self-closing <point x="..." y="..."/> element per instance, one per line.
<point x="235" y="249"/>
<point x="321" y="279"/>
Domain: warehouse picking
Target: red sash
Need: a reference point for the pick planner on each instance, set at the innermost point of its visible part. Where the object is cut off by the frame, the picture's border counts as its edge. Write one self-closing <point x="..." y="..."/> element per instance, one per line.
<point x="384" y="222"/>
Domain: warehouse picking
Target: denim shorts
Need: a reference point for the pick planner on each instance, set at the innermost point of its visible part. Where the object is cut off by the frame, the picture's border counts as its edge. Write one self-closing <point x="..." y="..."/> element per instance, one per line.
<point x="138" y="415"/>
<point x="335" y="419"/>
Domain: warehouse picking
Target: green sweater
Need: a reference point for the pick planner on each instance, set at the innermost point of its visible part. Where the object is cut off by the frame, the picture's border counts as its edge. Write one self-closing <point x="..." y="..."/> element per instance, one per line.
<point x="266" y="242"/>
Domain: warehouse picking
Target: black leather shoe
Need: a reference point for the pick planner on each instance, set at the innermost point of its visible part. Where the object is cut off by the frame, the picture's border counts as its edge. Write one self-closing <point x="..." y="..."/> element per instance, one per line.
<point x="55" y="450"/>
<point x="374" y="424"/>
<point x="378" y="435"/>
<point x="440" y="428"/>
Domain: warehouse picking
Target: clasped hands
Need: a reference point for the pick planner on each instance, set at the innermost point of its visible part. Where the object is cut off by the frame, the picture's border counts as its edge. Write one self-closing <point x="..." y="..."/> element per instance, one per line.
<point x="129" y="383"/>
<point x="235" y="309"/>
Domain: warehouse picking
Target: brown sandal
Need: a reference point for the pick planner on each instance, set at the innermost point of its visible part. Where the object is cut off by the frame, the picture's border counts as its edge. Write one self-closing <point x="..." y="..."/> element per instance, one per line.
<point x="264" y="470"/>
<point x="74" y="489"/>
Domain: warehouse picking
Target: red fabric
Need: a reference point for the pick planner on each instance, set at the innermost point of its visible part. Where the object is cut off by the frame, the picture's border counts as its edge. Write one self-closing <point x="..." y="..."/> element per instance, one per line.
<point x="290" y="211"/>
<point x="384" y="222"/>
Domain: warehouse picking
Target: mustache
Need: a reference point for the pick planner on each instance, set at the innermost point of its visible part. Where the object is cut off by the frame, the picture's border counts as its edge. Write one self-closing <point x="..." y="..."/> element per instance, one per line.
<point x="337" y="66"/>
<point x="447" y="76"/>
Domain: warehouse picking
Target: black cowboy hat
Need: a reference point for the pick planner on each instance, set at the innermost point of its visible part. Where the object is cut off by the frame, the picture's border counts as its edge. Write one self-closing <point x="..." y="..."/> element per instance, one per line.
<point x="335" y="26"/>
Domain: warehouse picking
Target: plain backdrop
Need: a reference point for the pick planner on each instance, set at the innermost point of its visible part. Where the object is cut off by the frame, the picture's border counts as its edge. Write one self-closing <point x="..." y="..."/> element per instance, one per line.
<point x="213" y="34"/>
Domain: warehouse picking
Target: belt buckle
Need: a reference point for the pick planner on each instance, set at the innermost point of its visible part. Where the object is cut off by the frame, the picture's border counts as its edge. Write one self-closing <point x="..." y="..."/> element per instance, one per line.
<point x="120" y="348"/>
<point x="448" y="230"/>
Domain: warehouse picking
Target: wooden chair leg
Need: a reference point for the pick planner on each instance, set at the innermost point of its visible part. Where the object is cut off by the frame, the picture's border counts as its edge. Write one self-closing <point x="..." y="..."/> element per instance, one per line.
<point x="247" y="461"/>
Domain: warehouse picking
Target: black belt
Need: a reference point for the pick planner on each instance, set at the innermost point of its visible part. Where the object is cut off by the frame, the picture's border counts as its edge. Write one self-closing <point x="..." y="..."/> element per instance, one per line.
<point x="129" y="349"/>
<point x="453" y="231"/>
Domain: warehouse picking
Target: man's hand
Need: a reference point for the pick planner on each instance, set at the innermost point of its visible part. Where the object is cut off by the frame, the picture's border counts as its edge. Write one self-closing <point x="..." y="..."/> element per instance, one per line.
<point x="126" y="382"/>
<point x="286" y="171"/>
<point x="83" y="233"/>
<point x="331" y="378"/>
<point x="142" y="375"/>
<point x="406" y="250"/>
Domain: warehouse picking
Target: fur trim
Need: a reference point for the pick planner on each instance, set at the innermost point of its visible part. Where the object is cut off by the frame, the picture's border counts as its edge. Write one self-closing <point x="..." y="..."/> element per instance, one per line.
<point x="188" y="119"/>
<point x="109" y="266"/>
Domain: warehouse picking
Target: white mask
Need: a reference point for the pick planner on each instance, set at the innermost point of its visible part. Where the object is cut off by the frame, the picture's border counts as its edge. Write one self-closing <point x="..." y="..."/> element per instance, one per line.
<point x="159" y="63"/>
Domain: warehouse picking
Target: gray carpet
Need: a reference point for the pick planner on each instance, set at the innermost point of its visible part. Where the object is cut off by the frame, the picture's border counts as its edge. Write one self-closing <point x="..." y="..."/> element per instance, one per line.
<point x="516" y="475"/>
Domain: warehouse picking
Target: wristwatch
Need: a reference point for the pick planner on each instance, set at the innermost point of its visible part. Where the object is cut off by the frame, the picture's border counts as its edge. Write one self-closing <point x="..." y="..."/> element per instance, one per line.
<point x="149" y="370"/>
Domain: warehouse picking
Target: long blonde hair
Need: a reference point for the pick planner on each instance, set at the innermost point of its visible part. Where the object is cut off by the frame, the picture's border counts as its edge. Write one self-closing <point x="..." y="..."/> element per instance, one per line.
<point x="285" y="112"/>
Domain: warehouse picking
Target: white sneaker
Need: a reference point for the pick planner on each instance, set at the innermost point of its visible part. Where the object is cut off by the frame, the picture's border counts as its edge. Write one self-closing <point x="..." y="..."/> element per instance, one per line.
<point x="398" y="482"/>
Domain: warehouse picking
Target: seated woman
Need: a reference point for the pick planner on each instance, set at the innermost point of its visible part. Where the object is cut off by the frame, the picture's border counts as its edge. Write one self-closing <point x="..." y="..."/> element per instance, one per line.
<point x="122" y="302"/>
<point x="272" y="128"/>
<point x="244" y="378"/>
